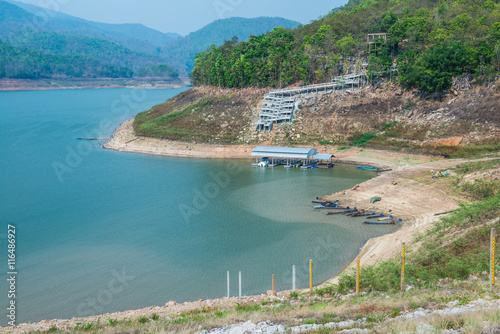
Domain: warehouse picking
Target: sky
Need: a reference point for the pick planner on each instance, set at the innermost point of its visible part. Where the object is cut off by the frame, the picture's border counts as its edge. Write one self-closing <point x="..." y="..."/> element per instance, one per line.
<point x="185" y="16"/>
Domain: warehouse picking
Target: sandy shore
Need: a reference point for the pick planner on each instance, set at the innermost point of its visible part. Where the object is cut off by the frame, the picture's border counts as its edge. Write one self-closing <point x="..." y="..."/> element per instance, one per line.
<point x="408" y="191"/>
<point x="124" y="140"/>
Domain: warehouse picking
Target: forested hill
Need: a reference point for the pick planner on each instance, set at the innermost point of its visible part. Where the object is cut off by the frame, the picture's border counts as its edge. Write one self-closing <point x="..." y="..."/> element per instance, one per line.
<point x="181" y="52"/>
<point x="41" y="43"/>
<point x="62" y="46"/>
<point x="428" y="41"/>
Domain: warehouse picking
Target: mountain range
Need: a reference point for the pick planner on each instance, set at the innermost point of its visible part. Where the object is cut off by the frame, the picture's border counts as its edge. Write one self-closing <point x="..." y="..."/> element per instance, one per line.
<point x="39" y="43"/>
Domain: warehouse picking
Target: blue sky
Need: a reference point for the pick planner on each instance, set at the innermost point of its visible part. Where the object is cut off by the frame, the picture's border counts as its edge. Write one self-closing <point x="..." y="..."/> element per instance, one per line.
<point x="185" y="16"/>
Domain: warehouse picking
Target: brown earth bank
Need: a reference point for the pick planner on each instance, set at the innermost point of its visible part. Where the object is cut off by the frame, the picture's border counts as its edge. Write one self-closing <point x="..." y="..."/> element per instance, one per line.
<point x="226" y="116"/>
<point x="52" y="84"/>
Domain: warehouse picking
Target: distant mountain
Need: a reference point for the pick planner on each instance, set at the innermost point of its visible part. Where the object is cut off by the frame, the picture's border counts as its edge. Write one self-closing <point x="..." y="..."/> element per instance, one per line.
<point x="68" y="46"/>
<point x="65" y="46"/>
<point x="181" y="52"/>
<point x="15" y="16"/>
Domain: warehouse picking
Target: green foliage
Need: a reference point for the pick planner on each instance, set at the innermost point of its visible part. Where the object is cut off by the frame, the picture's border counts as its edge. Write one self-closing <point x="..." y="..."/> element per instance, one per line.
<point x="433" y="70"/>
<point x="247" y="308"/>
<point x="143" y="320"/>
<point x="431" y="42"/>
<point x="474" y="166"/>
<point x="112" y="322"/>
<point x="361" y="138"/>
<point x="326" y="290"/>
<point x="155" y="317"/>
<point x="294" y="295"/>
<point x="181" y="53"/>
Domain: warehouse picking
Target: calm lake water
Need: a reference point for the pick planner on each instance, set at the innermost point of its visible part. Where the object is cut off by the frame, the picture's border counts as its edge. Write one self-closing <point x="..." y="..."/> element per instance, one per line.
<point x="101" y="231"/>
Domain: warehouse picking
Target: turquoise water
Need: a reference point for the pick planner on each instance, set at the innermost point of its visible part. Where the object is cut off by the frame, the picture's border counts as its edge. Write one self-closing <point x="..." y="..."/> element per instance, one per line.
<point x="101" y="231"/>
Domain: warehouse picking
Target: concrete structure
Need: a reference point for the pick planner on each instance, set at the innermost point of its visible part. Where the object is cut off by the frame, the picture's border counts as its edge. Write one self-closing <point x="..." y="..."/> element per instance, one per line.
<point x="279" y="105"/>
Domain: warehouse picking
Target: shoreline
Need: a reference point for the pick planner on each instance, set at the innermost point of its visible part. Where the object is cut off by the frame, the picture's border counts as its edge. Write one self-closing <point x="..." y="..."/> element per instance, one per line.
<point x="14" y="85"/>
<point x="418" y="215"/>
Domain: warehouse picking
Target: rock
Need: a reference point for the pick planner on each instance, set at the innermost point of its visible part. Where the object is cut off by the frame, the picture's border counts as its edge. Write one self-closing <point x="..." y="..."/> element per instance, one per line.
<point x="418" y="314"/>
<point x="272" y="329"/>
<point x="171" y="303"/>
<point x="491" y="330"/>
<point x="423" y="328"/>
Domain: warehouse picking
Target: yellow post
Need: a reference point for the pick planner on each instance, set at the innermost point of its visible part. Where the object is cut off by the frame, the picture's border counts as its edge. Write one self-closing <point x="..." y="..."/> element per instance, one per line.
<point x="357" y="279"/>
<point x="311" y="275"/>
<point x="403" y="267"/>
<point x="492" y="257"/>
<point x="274" y="292"/>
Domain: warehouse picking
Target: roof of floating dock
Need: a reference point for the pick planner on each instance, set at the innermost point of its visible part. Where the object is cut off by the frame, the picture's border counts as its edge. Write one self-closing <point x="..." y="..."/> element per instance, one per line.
<point x="323" y="156"/>
<point x="283" y="152"/>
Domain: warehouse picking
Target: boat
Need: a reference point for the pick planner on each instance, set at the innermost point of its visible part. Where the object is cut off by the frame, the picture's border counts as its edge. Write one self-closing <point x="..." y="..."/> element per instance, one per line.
<point x="381" y="223"/>
<point x="341" y="211"/>
<point x="263" y="163"/>
<point x="288" y="166"/>
<point x="385" y="218"/>
<point x="361" y="214"/>
<point x="324" y="202"/>
<point x="373" y="168"/>
<point x="376" y="216"/>
<point x="320" y="207"/>
<point x="353" y="213"/>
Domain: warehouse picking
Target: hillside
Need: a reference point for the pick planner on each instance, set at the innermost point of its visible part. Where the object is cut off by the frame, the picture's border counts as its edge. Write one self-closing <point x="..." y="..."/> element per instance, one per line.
<point x="67" y="47"/>
<point x="453" y="125"/>
<point x="428" y="42"/>
<point x="15" y="14"/>
<point x="42" y="43"/>
<point x="181" y="52"/>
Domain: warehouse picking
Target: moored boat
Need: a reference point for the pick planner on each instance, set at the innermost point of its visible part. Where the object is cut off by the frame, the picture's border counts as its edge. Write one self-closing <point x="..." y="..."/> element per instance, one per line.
<point x="380" y="223"/>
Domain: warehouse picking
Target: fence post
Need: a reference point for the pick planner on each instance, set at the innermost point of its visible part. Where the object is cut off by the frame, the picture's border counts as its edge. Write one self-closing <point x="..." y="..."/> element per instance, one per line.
<point x="311" y="275"/>
<point x="293" y="278"/>
<point x="492" y="257"/>
<point x="357" y="278"/>
<point x="403" y="255"/>
<point x="274" y="291"/>
<point x="239" y="281"/>
<point x="228" y="284"/>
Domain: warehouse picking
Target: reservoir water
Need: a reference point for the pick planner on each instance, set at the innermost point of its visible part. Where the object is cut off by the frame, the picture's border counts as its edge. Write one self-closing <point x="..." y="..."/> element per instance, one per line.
<point x="100" y="231"/>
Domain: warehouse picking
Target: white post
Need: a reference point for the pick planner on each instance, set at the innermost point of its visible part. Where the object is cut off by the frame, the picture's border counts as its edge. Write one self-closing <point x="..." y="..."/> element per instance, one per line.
<point x="228" y="284"/>
<point x="239" y="280"/>
<point x="293" y="278"/>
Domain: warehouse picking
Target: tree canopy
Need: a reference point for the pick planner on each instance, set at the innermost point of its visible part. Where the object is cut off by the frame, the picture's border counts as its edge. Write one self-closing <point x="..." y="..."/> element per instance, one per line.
<point x="429" y="41"/>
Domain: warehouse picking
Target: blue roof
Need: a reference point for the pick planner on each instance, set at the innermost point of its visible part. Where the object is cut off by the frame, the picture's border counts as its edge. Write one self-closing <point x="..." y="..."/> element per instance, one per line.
<point x="283" y="152"/>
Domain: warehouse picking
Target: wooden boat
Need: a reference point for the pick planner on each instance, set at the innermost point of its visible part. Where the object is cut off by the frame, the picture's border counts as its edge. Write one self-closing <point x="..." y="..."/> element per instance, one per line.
<point x="381" y="223"/>
<point x="354" y="213"/>
<point x="385" y="218"/>
<point x="361" y="214"/>
<point x="369" y="168"/>
<point x="322" y="207"/>
<point x="376" y="216"/>
<point x="324" y="202"/>
<point x="341" y="211"/>
<point x="335" y="212"/>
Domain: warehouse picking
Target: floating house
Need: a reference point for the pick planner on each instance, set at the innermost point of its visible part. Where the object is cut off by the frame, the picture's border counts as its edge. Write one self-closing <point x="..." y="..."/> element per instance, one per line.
<point x="288" y="156"/>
